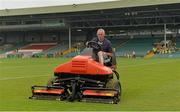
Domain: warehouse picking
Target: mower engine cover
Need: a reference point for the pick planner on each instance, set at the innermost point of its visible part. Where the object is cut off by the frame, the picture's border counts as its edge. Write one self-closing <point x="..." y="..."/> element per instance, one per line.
<point x="83" y="65"/>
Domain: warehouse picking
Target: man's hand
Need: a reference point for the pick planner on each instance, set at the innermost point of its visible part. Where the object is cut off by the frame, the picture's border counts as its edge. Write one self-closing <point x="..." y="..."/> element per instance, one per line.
<point x="87" y="43"/>
<point x="108" y="54"/>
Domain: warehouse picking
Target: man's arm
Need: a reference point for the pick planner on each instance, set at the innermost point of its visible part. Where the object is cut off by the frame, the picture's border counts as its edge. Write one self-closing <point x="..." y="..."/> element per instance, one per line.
<point x="93" y="39"/>
<point x="109" y="53"/>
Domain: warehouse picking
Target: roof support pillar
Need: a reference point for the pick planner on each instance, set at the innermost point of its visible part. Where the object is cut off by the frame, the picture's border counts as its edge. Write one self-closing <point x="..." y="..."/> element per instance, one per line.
<point x="69" y="37"/>
<point x="165" y="30"/>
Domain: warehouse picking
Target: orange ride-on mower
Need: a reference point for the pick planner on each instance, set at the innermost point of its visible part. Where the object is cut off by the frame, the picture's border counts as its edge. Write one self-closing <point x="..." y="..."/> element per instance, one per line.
<point x="82" y="79"/>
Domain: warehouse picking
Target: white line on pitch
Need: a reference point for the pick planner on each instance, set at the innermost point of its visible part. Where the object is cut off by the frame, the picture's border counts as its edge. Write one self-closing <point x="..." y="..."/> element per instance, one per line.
<point x="12" y="78"/>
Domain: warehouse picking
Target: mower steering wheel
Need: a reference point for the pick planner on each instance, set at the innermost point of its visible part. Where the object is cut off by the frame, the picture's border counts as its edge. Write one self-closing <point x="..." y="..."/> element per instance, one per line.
<point x="94" y="45"/>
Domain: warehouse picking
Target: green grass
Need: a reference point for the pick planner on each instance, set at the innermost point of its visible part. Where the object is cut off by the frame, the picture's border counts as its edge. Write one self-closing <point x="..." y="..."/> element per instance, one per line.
<point x="152" y="84"/>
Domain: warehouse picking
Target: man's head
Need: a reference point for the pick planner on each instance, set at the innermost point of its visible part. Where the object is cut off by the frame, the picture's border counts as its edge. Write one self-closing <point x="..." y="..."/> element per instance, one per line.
<point x="100" y="34"/>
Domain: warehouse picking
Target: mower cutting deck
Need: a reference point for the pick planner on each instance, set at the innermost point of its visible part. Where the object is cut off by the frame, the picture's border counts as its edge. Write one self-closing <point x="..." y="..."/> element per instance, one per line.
<point x="81" y="79"/>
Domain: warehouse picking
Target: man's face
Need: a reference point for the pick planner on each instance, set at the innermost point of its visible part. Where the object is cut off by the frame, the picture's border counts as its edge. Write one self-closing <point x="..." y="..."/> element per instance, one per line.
<point x="100" y="35"/>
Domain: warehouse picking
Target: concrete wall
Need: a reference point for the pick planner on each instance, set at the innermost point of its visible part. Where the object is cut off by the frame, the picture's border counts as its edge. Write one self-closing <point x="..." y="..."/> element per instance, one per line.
<point x="32" y="37"/>
<point x="50" y="37"/>
<point x="13" y="37"/>
<point x="2" y="38"/>
<point x="42" y="36"/>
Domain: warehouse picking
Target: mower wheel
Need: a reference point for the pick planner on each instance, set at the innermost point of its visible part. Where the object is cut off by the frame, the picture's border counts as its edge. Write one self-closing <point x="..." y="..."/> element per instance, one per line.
<point x="114" y="84"/>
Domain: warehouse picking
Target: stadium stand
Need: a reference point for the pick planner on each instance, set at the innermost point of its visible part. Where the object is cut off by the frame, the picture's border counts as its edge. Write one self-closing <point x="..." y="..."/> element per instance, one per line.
<point x="139" y="45"/>
<point x="77" y="48"/>
<point x="125" y="23"/>
<point x="34" y="48"/>
<point x="178" y="42"/>
<point x="11" y="50"/>
<point x="56" y="50"/>
<point x="59" y="47"/>
<point x="10" y="47"/>
<point x="175" y="54"/>
<point x="38" y="46"/>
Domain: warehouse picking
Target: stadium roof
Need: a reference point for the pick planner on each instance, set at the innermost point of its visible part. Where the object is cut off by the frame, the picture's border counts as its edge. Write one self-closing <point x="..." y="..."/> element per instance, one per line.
<point x="84" y="7"/>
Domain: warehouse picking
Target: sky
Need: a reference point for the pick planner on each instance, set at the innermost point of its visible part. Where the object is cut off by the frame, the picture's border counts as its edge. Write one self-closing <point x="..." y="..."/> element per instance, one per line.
<point x="14" y="4"/>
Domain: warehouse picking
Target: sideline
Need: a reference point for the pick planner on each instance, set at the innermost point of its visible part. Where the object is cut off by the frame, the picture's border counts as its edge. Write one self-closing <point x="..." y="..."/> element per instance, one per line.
<point x="12" y="78"/>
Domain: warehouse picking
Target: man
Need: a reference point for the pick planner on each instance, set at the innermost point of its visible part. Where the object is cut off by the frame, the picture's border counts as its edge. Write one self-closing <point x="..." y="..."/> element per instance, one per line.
<point x="106" y="49"/>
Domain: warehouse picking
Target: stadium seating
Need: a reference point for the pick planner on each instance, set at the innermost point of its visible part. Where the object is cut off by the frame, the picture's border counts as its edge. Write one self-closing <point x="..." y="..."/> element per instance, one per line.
<point x="172" y="55"/>
<point x="122" y="46"/>
<point x="139" y="45"/>
<point x="57" y="48"/>
<point x="35" y="49"/>
<point x="118" y="42"/>
<point x="178" y="42"/>
<point x="41" y="46"/>
<point x="10" y="47"/>
<point x="74" y="51"/>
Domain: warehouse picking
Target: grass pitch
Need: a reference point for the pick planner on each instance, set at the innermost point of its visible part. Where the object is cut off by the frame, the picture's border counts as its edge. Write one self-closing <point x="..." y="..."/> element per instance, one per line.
<point x="152" y="84"/>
